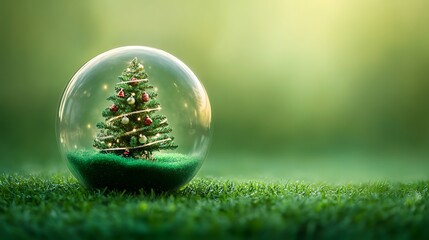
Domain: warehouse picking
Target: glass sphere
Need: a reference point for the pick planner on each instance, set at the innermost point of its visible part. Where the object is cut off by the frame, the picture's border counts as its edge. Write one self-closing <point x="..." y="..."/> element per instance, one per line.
<point x="153" y="135"/>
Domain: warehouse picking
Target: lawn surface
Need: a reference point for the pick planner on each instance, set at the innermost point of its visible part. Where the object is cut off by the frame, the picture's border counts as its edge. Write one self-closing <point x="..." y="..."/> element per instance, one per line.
<point x="57" y="207"/>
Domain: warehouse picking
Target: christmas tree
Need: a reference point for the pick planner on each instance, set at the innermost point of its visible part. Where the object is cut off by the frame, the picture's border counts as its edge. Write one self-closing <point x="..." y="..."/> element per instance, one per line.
<point x="132" y="128"/>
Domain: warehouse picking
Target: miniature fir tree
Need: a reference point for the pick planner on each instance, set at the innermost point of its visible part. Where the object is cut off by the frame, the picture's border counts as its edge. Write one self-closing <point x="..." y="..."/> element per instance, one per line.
<point x="132" y="127"/>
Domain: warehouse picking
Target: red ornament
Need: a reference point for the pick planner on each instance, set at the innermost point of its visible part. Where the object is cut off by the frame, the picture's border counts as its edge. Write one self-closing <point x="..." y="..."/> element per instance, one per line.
<point x="145" y="97"/>
<point x="114" y="108"/>
<point x="147" y="121"/>
<point x="121" y="93"/>
<point x="132" y="81"/>
<point x="126" y="153"/>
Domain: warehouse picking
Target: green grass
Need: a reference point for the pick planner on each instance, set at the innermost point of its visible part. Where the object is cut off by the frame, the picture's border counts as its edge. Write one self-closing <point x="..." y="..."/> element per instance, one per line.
<point x="97" y="170"/>
<point x="58" y="207"/>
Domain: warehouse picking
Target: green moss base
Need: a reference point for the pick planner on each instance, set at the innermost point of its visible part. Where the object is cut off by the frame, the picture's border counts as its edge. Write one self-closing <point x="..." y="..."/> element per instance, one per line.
<point x="98" y="170"/>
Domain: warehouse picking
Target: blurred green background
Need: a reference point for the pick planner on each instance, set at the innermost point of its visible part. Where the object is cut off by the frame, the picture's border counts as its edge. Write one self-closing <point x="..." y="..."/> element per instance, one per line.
<point x="300" y="90"/>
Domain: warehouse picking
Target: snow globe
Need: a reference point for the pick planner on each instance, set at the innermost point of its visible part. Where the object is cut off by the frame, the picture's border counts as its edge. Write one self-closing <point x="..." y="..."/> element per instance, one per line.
<point x="134" y="118"/>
